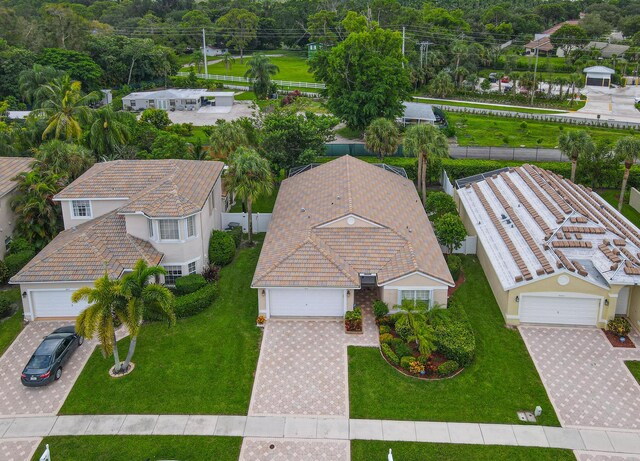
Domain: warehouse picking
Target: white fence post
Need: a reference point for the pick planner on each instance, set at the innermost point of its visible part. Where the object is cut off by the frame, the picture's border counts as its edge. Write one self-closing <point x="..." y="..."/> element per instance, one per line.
<point x="46" y="456"/>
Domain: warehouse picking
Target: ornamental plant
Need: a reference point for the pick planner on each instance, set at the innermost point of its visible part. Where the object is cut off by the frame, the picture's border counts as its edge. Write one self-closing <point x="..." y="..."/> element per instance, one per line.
<point x="416" y="367"/>
<point x="620" y="326"/>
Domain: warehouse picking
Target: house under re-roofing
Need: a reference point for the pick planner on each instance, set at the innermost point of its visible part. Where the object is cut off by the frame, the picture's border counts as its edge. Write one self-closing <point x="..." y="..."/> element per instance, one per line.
<point x="554" y="252"/>
<point x="343" y="227"/>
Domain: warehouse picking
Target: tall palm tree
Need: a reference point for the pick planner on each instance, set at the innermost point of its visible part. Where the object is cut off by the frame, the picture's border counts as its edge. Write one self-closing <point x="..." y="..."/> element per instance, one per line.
<point x="31" y="81"/>
<point x="249" y="176"/>
<point x="382" y="137"/>
<point x="65" y="107"/>
<point x="228" y="60"/>
<point x="260" y="69"/>
<point x="142" y="296"/>
<point x="226" y="137"/>
<point x="37" y="215"/>
<point x="628" y="149"/>
<point x="97" y="319"/>
<point x="426" y="142"/>
<point x="108" y="130"/>
<point x="574" y="144"/>
<point x="63" y="159"/>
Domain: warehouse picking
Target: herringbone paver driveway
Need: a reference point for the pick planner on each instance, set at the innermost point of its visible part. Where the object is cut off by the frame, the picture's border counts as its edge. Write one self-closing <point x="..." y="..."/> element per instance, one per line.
<point x="585" y="377"/>
<point x="15" y="399"/>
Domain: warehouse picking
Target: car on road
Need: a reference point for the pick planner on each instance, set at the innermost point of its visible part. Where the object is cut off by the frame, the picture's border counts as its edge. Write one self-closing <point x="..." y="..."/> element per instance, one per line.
<point x="637" y="100"/>
<point x="505" y="79"/>
<point x="46" y="363"/>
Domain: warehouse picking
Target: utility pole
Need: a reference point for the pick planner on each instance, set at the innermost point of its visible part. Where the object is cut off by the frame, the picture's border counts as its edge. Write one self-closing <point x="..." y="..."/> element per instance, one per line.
<point x="424" y="53"/>
<point x="403" y="47"/>
<point x="535" y="71"/>
<point x="204" y="54"/>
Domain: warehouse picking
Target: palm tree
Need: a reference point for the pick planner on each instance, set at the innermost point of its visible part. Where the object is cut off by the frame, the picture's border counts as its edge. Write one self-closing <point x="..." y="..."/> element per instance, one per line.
<point x="416" y="317"/>
<point x="249" y="176"/>
<point x="260" y="69"/>
<point x="442" y="84"/>
<point x="63" y="159"/>
<point x="628" y="149"/>
<point x="228" y="60"/>
<point x="143" y="296"/>
<point x="37" y="215"/>
<point x="108" y="130"/>
<point x="32" y="80"/>
<point x="382" y="137"/>
<point x="226" y="137"/>
<point x="105" y="303"/>
<point x="426" y="142"/>
<point x="574" y="144"/>
<point x="65" y="107"/>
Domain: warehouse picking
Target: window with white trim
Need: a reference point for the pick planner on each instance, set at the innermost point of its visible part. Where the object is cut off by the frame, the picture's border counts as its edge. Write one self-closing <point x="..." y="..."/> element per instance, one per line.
<point x="192" y="267"/>
<point x="152" y="233"/>
<point x="416" y="296"/>
<point x="81" y="208"/>
<point x="169" y="229"/>
<point x="191" y="226"/>
<point x="173" y="274"/>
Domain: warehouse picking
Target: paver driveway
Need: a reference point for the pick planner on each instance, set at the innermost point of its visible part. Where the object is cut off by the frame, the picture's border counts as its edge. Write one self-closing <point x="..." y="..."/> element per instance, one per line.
<point x="18" y="449"/>
<point x="263" y="449"/>
<point x="585" y="377"/>
<point x="302" y="368"/>
<point x="15" y="399"/>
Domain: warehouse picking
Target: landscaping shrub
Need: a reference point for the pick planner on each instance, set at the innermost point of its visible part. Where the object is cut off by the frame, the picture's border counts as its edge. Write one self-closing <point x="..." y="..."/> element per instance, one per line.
<point x="17" y="261"/>
<point x="353" y="319"/>
<point x="403" y="330"/>
<point x="4" y="272"/>
<point x="5" y="308"/>
<point x="191" y="304"/>
<point x="384" y="329"/>
<point x="385" y="338"/>
<point x="386" y="320"/>
<point x="406" y="361"/>
<point x="386" y="350"/>
<point x="455" y="340"/>
<point x="380" y="308"/>
<point x="619" y="325"/>
<point x="416" y="367"/>
<point x="236" y="233"/>
<point x="455" y="265"/>
<point x="19" y="244"/>
<point x="189" y="284"/>
<point x="211" y="273"/>
<point x="401" y="349"/>
<point x="448" y="367"/>
<point x="222" y="248"/>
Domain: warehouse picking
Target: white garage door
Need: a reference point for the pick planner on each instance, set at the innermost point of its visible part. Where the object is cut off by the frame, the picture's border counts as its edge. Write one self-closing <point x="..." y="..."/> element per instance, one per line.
<point x="306" y="302"/>
<point x="559" y="310"/>
<point x="55" y="303"/>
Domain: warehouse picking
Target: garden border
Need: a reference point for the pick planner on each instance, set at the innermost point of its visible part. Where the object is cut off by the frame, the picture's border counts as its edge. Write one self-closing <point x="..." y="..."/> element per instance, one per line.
<point x="401" y="371"/>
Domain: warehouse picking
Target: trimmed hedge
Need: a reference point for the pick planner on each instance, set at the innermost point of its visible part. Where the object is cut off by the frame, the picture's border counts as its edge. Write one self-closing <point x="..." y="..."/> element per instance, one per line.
<point x="454" y="263"/>
<point x="191" y="304"/>
<point x="189" y="284"/>
<point x="448" y="367"/>
<point x="236" y="233"/>
<point x="222" y="248"/>
<point x="17" y="261"/>
<point x="454" y="335"/>
<point x="406" y="361"/>
<point x="5" y="307"/>
<point x="380" y="308"/>
<point x="388" y="352"/>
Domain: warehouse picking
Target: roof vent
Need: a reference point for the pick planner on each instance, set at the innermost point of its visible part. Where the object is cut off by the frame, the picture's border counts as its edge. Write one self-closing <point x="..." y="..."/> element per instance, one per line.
<point x="302" y="210"/>
<point x="338" y="197"/>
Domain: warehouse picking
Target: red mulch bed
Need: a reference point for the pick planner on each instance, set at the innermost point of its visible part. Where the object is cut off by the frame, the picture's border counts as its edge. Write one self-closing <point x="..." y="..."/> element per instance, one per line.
<point x="459" y="282"/>
<point x="614" y="339"/>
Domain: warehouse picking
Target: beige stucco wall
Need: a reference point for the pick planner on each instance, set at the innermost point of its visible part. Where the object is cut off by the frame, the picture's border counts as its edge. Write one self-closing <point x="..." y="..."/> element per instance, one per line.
<point x="413" y="282"/>
<point x="98" y="208"/>
<point x="26" y="300"/>
<point x="7" y="221"/>
<point x="634" y="306"/>
<point x="634" y="198"/>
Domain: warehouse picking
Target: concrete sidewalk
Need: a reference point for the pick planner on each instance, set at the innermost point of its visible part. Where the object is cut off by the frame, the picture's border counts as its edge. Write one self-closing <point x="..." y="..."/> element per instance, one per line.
<point x="318" y="428"/>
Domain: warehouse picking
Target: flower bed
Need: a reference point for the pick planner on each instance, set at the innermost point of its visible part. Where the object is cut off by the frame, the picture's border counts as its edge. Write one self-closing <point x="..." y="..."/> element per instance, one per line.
<point x="353" y="320"/>
<point x="617" y="332"/>
<point x="615" y="341"/>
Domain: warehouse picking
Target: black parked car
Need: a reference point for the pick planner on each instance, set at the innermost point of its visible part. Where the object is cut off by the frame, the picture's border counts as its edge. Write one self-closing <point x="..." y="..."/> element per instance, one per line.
<point x="47" y="361"/>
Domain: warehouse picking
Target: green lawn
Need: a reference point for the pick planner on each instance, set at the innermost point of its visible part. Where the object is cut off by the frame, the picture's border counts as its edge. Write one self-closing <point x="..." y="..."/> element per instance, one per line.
<point x="366" y="450"/>
<point x="634" y="368"/>
<point x="12" y="326"/>
<point x="628" y="211"/>
<point x="203" y="365"/>
<point x="140" y="448"/>
<point x="350" y="133"/>
<point x="487" y="130"/>
<point x="293" y="67"/>
<point x="480" y="105"/>
<point x="264" y="204"/>
<point x="501" y="381"/>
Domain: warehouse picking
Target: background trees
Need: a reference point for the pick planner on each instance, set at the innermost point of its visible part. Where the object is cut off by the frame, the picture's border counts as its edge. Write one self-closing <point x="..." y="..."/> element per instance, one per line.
<point x="382" y="137"/>
<point x="261" y="69"/>
<point x="575" y="144"/>
<point x="238" y="27"/>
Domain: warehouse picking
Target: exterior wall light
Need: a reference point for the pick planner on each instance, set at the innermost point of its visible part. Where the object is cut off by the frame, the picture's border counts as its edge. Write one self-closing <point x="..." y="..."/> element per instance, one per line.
<point x="517" y="299"/>
<point x="606" y="302"/>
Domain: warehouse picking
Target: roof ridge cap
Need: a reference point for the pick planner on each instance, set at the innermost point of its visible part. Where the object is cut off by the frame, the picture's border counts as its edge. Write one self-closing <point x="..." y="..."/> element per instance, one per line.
<point x="331" y="256"/>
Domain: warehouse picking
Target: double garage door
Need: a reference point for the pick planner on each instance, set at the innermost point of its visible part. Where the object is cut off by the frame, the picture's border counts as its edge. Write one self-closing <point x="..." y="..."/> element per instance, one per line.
<point x="306" y="302"/>
<point x="559" y="310"/>
<point x="54" y="303"/>
<point x="592" y="81"/>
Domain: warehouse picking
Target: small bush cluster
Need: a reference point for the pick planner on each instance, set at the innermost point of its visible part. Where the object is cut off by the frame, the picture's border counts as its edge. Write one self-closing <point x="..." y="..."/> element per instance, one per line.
<point x="290" y="98"/>
<point x="454" y="336"/>
<point x="353" y="319"/>
<point x="388" y="352"/>
<point x="384" y="329"/>
<point x="191" y="304"/>
<point x="386" y="338"/>
<point x="222" y="248"/>
<point x="619" y="325"/>
<point x="16" y="261"/>
<point x="455" y="266"/>
<point x="448" y="367"/>
<point x="5" y="307"/>
<point x="416" y="367"/>
<point x="236" y="233"/>
<point x="4" y="272"/>
<point x="380" y="308"/>
<point x="406" y="361"/>
<point x="211" y="273"/>
<point x="403" y="330"/>
<point x="402" y="349"/>
<point x="189" y="284"/>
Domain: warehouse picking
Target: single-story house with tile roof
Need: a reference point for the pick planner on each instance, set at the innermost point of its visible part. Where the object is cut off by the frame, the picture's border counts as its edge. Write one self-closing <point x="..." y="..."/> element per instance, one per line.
<point x="10" y="167"/>
<point x="162" y="211"/>
<point x="598" y="75"/>
<point x="607" y="50"/>
<point x="342" y="227"/>
<point x="554" y="252"/>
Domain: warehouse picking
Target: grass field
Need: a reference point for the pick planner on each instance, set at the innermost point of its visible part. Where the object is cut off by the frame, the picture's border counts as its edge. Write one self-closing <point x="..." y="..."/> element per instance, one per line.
<point x="634" y="368"/>
<point x="487" y="130"/>
<point x="480" y="105"/>
<point x="203" y="365"/>
<point x="628" y="211"/>
<point x="11" y="326"/>
<point x="366" y="450"/>
<point x="264" y="204"/>
<point x="501" y="380"/>
<point x="140" y="447"/>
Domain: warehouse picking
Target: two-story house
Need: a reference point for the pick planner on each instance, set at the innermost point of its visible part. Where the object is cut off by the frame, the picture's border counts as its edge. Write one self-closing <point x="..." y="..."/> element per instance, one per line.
<point x="10" y="167"/>
<point x="162" y="211"/>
